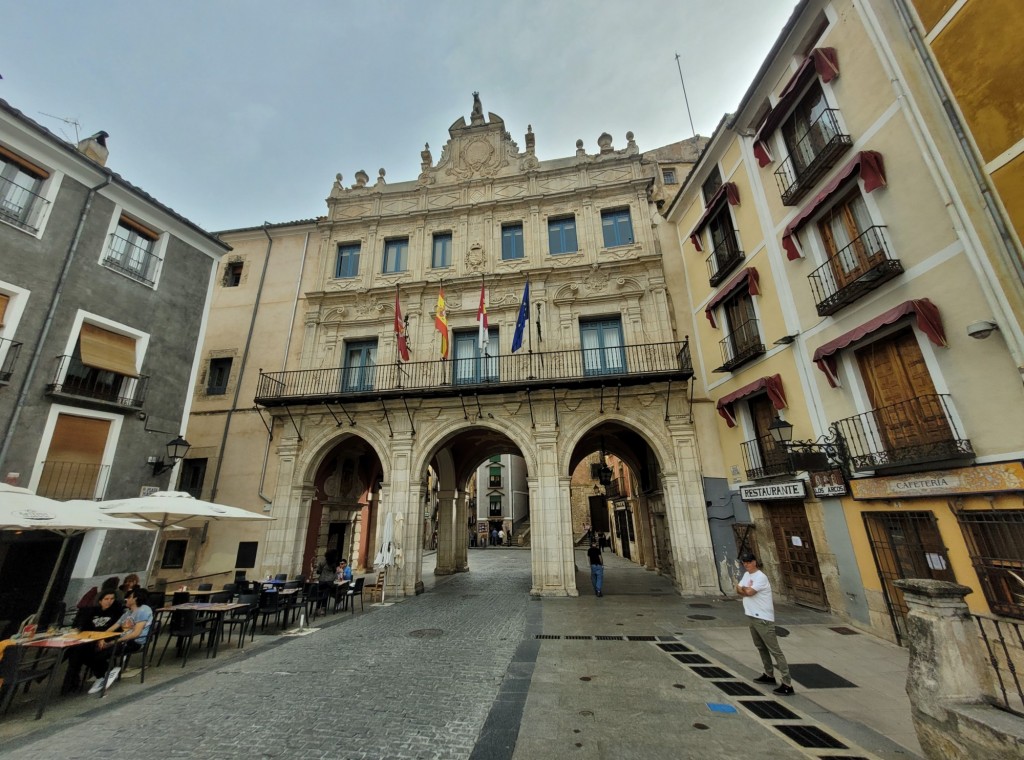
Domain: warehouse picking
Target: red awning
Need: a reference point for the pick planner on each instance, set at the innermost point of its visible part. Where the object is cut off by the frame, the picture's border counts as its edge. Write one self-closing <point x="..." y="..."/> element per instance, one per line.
<point x="728" y="191"/>
<point x="928" y="321"/>
<point x="748" y="277"/>
<point x="772" y="385"/>
<point x="821" y="61"/>
<point x="872" y="170"/>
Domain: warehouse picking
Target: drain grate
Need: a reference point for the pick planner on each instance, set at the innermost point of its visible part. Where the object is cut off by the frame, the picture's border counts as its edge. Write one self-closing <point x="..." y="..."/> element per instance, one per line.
<point x="814" y="676"/>
<point x="712" y="671"/>
<point x="692" y="659"/>
<point x="701" y="617"/>
<point x="578" y="638"/>
<point x="673" y="648"/>
<point x="609" y="638"/>
<point x="767" y="709"/>
<point x="844" y="631"/>
<point x="641" y="638"/>
<point x="666" y="638"/>
<point x="811" y="736"/>
<point x="547" y="636"/>
<point x="737" y="689"/>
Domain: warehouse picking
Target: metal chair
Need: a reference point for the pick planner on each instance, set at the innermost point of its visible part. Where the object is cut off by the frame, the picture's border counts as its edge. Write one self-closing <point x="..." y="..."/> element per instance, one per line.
<point x="17" y="667"/>
<point x="281" y="577"/>
<point x="186" y="625"/>
<point x="356" y="589"/>
<point x="270" y="606"/>
<point x="244" y="617"/>
<point x="204" y="587"/>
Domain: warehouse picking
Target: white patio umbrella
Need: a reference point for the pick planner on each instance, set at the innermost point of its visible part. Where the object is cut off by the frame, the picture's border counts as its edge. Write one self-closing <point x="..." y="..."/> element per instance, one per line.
<point x="20" y="509"/>
<point x="386" y="556"/>
<point x="167" y="509"/>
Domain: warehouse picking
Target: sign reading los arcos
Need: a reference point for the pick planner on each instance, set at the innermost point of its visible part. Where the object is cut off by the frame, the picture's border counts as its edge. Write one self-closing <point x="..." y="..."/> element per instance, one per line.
<point x="793" y="489"/>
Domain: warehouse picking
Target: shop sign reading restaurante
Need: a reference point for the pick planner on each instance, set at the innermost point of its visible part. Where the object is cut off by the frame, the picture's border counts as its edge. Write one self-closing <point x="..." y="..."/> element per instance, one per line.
<point x="793" y="489"/>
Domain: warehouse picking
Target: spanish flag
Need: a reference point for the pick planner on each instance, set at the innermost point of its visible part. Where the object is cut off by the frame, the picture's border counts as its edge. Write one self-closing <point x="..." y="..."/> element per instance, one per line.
<point x="441" y="321"/>
<point x="402" y="338"/>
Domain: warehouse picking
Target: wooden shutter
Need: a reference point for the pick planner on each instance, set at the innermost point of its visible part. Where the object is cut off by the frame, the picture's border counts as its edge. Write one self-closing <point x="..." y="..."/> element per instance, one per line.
<point x="26" y="166"/>
<point x="4" y="300"/>
<point x="102" y="349"/>
<point x="78" y="439"/>
<point x="146" y="232"/>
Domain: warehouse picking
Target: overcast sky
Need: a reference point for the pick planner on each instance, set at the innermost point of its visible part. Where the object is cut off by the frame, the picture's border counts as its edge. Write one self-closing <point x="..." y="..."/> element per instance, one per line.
<point x="236" y="113"/>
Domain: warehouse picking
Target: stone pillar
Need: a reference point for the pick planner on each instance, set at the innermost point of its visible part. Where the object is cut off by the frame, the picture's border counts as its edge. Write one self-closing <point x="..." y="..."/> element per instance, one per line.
<point x="461" y="530"/>
<point x="946" y="666"/>
<point x="551" y="548"/>
<point x="445" y="533"/>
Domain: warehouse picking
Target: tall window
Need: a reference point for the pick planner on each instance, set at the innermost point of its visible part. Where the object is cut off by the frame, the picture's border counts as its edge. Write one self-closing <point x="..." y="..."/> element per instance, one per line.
<point x="617" y="227"/>
<point x="711" y="184"/>
<point x="512" y="241"/>
<point x="744" y="339"/>
<point x="469" y="365"/>
<point x="442" y="257"/>
<point x="347" y="264"/>
<point x="131" y="250"/>
<point x="193" y="473"/>
<point x="217" y="378"/>
<point x="494" y="477"/>
<point x="805" y="132"/>
<point x="233" y="274"/>
<point x="360" y="365"/>
<point x="495" y="506"/>
<point x="20" y="185"/>
<point x="73" y="468"/>
<point x="562" y="235"/>
<point x="102" y="366"/>
<point x="851" y="253"/>
<point x="396" y="255"/>
<point x="603" y="352"/>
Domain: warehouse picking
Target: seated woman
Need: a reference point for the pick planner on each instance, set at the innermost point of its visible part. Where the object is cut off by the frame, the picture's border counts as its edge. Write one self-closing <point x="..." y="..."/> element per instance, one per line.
<point x="134" y="625"/>
<point x="98" y="617"/>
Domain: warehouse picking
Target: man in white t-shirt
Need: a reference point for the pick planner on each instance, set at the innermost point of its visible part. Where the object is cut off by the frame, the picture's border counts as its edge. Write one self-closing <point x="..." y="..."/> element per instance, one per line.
<point x="760" y="610"/>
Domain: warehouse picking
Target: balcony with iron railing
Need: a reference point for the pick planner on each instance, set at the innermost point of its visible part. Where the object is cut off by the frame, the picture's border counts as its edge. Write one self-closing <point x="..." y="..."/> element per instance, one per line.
<point x="764" y="458"/>
<point x="20" y="206"/>
<point x="742" y="344"/>
<point x="921" y="430"/>
<point x="131" y="260"/>
<point x="73" y="480"/>
<point x="9" y="351"/>
<point x="811" y="157"/>
<point x="855" y="271"/>
<point x="73" y="379"/>
<point x="504" y="373"/>
<point x="724" y="259"/>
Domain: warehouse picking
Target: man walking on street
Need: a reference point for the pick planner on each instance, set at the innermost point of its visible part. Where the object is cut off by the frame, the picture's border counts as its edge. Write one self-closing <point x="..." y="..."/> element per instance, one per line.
<point x="760" y="610"/>
<point x="596" y="567"/>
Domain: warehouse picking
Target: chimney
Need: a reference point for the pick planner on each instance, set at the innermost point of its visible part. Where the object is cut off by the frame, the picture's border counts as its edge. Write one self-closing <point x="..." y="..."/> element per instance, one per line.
<point x="95" y="147"/>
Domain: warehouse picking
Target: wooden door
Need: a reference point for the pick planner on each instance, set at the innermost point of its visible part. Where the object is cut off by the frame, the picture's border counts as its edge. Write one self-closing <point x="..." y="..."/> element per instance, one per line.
<point x="739" y="313"/>
<point x="773" y="457"/>
<point x="798" y="560"/>
<point x="852" y="253"/>
<point x="908" y="413"/>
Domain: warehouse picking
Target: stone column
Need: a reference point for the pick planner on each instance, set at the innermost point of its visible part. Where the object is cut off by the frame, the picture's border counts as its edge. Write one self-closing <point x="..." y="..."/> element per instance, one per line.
<point x="461" y="534"/>
<point x="445" y="533"/>
<point x="946" y="666"/>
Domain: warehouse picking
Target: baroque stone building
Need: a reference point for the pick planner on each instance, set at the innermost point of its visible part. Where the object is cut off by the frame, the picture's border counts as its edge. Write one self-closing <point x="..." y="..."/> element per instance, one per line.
<point x="345" y="430"/>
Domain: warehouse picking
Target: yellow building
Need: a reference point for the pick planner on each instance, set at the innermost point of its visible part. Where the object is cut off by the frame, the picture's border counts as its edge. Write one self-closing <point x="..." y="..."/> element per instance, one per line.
<point x="844" y="291"/>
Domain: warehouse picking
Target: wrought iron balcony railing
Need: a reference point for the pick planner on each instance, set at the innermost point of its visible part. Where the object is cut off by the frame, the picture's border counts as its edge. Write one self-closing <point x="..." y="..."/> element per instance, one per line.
<point x="615" y="365"/>
<point x="9" y="351"/>
<point x="724" y="259"/>
<point x="763" y="458"/>
<point x="813" y="155"/>
<point x="132" y="260"/>
<point x="20" y="206"/>
<point x="73" y="480"/>
<point x="917" y="431"/>
<point x="742" y="344"/>
<point x="855" y="271"/>
<point x="72" y="378"/>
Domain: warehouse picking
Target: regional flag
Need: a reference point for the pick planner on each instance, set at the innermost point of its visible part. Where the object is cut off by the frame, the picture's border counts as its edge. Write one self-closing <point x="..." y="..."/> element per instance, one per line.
<point x="441" y="322"/>
<point x="522" y="319"/>
<point x="403" y="340"/>
<point x="481" y="318"/>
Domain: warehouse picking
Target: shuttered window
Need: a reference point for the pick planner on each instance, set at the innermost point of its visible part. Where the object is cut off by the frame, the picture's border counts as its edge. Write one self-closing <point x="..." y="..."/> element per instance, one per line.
<point x="74" y="460"/>
<point x="103" y="349"/>
<point x="4" y="300"/>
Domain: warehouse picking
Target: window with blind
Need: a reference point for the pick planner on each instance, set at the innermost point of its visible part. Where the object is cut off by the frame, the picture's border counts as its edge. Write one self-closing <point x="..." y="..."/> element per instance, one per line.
<point x="4" y="302"/>
<point x="132" y="250"/>
<point x="73" y="468"/>
<point x="21" y="184"/>
<point x="102" y="366"/>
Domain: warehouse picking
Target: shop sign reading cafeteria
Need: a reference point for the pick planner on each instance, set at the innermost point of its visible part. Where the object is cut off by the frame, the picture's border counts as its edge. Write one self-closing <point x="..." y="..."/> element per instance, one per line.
<point x="793" y="489"/>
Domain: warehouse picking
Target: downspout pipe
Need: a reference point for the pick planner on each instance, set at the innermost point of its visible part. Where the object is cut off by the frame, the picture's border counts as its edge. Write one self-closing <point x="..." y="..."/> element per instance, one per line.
<point x="284" y="362"/>
<point x="241" y="369"/>
<point x="58" y="291"/>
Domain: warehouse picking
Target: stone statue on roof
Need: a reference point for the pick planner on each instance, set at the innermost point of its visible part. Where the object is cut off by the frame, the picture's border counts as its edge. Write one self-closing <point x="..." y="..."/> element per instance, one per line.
<point x="477" y="115"/>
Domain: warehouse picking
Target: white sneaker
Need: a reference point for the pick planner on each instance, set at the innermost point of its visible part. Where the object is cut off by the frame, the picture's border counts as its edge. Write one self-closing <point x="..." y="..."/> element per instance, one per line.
<point x="96" y="685"/>
<point x="112" y="676"/>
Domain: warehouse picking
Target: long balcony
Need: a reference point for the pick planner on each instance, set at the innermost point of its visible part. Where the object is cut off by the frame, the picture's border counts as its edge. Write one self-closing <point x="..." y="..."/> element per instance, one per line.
<point x="20" y="206"/>
<point x="504" y="373"/>
<point x="763" y="458"/>
<point x="743" y="344"/>
<point x="9" y="351"/>
<point x="812" y="156"/>
<point x="73" y="480"/>
<point x="74" y="380"/>
<point x="724" y="259"/>
<point x="131" y="260"/>
<point x="921" y="430"/>
<point x="855" y="271"/>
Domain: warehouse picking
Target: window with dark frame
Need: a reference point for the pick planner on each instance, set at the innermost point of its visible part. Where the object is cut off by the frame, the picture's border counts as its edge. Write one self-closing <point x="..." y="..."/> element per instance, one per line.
<point x="347" y="264"/>
<point x="743" y="341"/>
<point x="494" y="477"/>
<point x="711" y="184"/>
<point x="218" y="375"/>
<point x="617" y="226"/>
<point x="233" y="274"/>
<point x="512" y="241"/>
<point x="193" y="473"/>
<point x="396" y="255"/>
<point x="995" y="543"/>
<point x="131" y="250"/>
<point x="174" y="554"/>
<point x="246" y="557"/>
<point x="442" y="253"/>
<point x="495" y="506"/>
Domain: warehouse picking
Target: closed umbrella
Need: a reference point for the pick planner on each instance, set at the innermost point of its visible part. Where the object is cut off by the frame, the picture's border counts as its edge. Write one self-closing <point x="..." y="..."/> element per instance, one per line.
<point x="386" y="556"/>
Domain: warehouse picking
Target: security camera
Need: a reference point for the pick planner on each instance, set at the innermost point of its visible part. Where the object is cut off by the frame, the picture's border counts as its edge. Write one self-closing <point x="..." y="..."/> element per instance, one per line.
<point x="982" y="329"/>
<point x="141" y="415"/>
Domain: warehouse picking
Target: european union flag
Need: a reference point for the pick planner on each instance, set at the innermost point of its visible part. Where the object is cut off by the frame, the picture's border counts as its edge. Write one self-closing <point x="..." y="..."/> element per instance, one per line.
<point x="524" y="315"/>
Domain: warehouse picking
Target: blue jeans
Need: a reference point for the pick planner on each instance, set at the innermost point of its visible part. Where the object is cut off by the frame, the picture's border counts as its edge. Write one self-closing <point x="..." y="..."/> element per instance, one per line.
<point x="597" y="577"/>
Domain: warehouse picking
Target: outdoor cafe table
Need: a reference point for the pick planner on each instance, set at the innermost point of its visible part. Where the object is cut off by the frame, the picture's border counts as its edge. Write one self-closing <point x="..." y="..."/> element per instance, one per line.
<point x="218" y="610"/>
<point x="61" y="644"/>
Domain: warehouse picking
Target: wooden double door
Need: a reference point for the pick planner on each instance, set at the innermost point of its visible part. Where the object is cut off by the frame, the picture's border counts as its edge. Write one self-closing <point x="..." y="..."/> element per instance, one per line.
<point x="798" y="560"/>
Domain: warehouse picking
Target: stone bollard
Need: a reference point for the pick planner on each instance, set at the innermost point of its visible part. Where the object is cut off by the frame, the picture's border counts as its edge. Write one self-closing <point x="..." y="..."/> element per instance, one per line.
<point x="947" y="668"/>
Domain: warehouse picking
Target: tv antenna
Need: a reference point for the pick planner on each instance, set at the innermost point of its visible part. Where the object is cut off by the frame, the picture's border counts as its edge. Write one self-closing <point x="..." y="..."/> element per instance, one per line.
<point x="685" y="99"/>
<point x="70" y="121"/>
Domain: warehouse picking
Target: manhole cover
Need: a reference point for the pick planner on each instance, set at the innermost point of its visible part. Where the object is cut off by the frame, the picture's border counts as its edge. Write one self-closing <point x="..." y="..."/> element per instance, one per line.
<point x="700" y="605"/>
<point x="704" y="617"/>
<point x="426" y="633"/>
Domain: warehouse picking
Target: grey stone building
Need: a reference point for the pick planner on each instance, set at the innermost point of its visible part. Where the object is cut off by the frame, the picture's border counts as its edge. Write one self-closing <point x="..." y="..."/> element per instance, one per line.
<point x="103" y="293"/>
